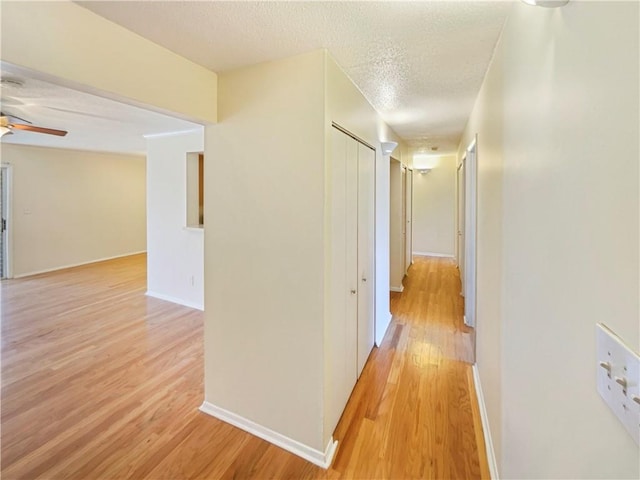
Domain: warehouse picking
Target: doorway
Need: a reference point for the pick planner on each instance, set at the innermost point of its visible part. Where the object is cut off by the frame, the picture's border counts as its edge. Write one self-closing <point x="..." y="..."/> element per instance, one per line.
<point x="5" y="186"/>
<point x="467" y="230"/>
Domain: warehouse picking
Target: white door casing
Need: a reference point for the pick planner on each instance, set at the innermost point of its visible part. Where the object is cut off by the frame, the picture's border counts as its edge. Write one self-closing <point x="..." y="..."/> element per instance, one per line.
<point x="470" y="234"/>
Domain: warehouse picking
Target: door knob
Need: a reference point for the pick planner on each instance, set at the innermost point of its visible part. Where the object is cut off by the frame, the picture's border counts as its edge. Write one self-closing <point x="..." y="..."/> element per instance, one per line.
<point x="364" y="279"/>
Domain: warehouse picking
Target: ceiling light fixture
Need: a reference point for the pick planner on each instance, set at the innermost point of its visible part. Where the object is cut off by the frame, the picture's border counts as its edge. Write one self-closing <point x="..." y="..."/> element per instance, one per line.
<point x="4" y="131"/>
<point x="388" y="147"/>
<point x="546" y="3"/>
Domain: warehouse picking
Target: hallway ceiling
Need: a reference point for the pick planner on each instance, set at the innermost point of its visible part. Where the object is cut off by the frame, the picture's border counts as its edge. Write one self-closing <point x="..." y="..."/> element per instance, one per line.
<point x="420" y="64"/>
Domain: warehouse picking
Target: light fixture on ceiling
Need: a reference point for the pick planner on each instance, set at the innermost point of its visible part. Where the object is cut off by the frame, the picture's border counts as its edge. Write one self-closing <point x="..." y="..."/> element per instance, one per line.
<point x="423" y="163"/>
<point x="388" y="147"/>
<point x="4" y="131"/>
<point x="546" y="3"/>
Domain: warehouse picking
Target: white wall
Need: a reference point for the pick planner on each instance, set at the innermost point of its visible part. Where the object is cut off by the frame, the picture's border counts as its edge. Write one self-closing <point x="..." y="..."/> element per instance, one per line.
<point x="559" y="130"/>
<point x="175" y="254"/>
<point x="71" y="207"/>
<point x="396" y="238"/>
<point x="434" y="209"/>
<point x="70" y="45"/>
<point x="264" y="200"/>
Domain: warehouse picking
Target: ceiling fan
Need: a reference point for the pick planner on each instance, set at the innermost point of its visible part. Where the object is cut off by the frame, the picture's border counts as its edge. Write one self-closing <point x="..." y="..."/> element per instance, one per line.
<point x="6" y="126"/>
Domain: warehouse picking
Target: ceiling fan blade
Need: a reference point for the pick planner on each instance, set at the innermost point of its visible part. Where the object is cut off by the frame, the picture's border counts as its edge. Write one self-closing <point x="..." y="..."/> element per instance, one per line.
<point x="33" y="128"/>
<point x="3" y="114"/>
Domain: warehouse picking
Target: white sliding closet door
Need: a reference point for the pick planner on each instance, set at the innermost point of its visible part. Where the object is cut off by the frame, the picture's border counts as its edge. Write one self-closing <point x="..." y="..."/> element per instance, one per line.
<point x="366" y="260"/>
<point x="351" y="246"/>
<point x="351" y="332"/>
<point x="343" y="334"/>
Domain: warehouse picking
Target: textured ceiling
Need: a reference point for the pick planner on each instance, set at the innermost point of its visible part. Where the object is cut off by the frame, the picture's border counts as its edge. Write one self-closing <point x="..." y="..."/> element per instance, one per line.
<point x="93" y="123"/>
<point x="420" y="64"/>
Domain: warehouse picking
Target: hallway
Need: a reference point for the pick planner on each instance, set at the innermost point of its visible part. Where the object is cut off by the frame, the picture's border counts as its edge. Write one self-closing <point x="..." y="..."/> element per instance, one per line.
<point x="110" y="388"/>
<point x="414" y="409"/>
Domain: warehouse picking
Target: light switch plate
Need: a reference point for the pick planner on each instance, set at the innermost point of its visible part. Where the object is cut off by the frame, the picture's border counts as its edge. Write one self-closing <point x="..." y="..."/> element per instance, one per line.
<point x="618" y="378"/>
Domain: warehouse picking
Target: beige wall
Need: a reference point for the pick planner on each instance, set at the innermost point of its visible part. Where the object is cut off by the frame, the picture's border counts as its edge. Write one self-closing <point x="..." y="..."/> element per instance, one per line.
<point x="264" y="260"/>
<point x="175" y="254"/>
<point x="396" y="238"/>
<point x="52" y="40"/>
<point x="434" y="209"/>
<point x="558" y="149"/>
<point x="71" y="207"/>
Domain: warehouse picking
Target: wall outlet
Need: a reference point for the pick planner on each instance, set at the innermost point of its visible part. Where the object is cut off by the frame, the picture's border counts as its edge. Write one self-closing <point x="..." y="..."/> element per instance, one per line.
<point x="618" y="378"/>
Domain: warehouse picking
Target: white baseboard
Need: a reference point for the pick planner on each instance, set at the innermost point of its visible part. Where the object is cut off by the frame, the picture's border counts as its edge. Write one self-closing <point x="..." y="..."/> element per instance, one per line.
<point x="80" y="264"/>
<point x="322" y="459"/>
<point x="383" y="331"/>
<point x="179" y="301"/>
<point x="434" y="254"/>
<point x="399" y="289"/>
<point x="491" y="454"/>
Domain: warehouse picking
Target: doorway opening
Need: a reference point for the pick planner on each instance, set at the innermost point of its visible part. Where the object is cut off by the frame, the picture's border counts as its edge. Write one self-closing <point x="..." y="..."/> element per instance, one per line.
<point x="400" y="223"/>
<point x="5" y="186"/>
<point x="467" y="230"/>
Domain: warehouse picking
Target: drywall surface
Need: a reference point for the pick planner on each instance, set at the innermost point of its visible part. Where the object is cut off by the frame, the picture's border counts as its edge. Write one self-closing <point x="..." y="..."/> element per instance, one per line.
<point x="264" y="250"/>
<point x="175" y="254"/>
<point x="70" y="207"/>
<point x="396" y="224"/>
<point x="73" y="46"/>
<point x="558" y="120"/>
<point x="434" y="208"/>
<point x="486" y="121"/>
<point x="571" y="150"/>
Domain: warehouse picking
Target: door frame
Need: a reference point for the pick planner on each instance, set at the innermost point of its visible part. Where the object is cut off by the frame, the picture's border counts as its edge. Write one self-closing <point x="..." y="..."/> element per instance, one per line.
<point x="7" y="180"/>
<point x="470" y="232"/>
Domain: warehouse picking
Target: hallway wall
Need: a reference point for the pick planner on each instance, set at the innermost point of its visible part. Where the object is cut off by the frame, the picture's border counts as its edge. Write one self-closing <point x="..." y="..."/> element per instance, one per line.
<point x="434" y="209"/>
<point x="558" y="147"/>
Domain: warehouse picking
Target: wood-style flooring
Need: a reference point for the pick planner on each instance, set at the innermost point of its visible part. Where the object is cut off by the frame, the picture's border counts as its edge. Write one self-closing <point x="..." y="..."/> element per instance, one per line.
<point x="101" y="382"/>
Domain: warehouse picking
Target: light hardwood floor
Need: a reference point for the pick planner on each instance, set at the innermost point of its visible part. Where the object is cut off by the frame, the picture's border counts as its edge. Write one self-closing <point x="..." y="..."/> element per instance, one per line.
<point x="100" y="381"/>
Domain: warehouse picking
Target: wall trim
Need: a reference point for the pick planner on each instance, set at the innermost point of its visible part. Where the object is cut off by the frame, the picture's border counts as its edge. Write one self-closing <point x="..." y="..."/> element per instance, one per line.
<point x="322" y="459"/>
<point x="175" y="133"/>
<point x="380" y="335"/>
<point x="72" y="265"/>
<point x="491" y="454"/>
<point x="399" y="289"/>
<point x="179" y="301"/>
<point x="434" y="254"/>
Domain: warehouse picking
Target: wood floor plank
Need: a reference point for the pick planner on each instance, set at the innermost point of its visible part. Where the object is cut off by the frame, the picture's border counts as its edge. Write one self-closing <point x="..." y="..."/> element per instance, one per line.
<point x="101" y="382"/>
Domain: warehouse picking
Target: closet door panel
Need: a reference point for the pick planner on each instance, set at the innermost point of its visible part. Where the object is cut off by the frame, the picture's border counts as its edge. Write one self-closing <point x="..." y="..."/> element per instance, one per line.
<point x="366" y="260"/>
<point x="341" y="379"/>
<point x="351" y="246"/>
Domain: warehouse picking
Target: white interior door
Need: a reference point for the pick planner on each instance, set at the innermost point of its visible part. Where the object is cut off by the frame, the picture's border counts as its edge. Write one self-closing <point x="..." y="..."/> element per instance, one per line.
<point x="408" y="221"/>
<point x="343" y="333"/>
<point x="352" y="256"/>
<point x="366" y="254"/>
<point x="403" y="217"/>
<point x="4" y="221"/>
<point x="470" y="236"/>
<point x="461" y="215"/>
